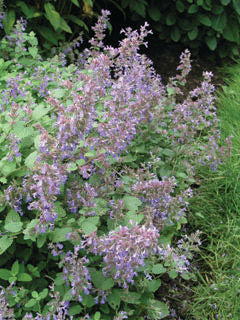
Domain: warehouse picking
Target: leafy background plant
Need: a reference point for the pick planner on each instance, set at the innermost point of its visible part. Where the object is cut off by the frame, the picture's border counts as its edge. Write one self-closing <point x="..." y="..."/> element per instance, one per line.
<point x="74" y="182"/>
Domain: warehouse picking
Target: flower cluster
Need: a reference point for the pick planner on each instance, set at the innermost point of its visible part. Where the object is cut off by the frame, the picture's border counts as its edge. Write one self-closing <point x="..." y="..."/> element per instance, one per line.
<point x="5" y="311"/>
<point x="124" y="250"/>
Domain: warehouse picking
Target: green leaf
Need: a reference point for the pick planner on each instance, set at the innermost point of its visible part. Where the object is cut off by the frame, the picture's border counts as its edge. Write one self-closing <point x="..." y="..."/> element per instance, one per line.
<point x="12" y="216"/>
<point x="107" y="284"/>
<point x="31" y="159"/>
<point x="5" y="274"/>
<point x="219" y="22"/>
<point x="39" y="112"/>
<point x="225" y="2"/>
<point x="175" y="34"/>
<point x="64" y="26"/>
<point x="180" y="6"/>
<point x="153" y="285"/>
<point x="211" y="43"/>
<point x="59" y="93"/>
<point x="27" y="10"/>
<point x="5" y="243"/>
<point x="168" y="153"/>
<point x="71" y="167"/>
<point x="97" y="316"/>
<point x="52" y="15"/>
<point x="157" y="308"/>
<point x="24" y="277"/>
<point x="193" y="9"/>
<point x="205" y="20"/>
<point x="59" y="234"/>
<point x="131" y="297"/>
<point x="132" y="203"/>
<point x="132" y="215"/>
<point x="171" y="19"/>
<point x="9" y="21"/>
<point x="114" y="299"/>
<point x="33" y="51"/>
<point x="49" y="35"/>
<point x="76" y="3"/>
<point x="13" y="226"/>
<point x="21" y="131"/>
<point x="88" y="227"/>
<point x="158" y="269"/>
<point x="43" y="293"/>
<point x="78" y="21"/>
<point x="192" y="35"/>
<point x="154" y="13"/>
<point x="74" y="310"/>
<point x="231" y="32"/>
<point x="173" y="274"/>
<point x="7" y="167"/>
<point x="236" y="6"/>
<point x="30" y="303"/>
<point x="41" y="239"/>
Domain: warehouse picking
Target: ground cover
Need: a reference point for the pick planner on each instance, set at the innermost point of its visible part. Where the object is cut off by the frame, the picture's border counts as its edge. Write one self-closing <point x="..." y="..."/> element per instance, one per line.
<point x="98" y="159"/>
<point x="217" y="295"/>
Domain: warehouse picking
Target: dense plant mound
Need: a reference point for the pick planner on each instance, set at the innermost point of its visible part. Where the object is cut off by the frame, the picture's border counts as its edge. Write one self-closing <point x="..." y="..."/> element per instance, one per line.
<point x="97" y="159"/>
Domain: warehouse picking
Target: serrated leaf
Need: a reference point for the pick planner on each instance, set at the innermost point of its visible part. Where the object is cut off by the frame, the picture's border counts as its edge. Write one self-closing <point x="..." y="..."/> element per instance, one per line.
<point x="114" y="299"/>
<point x="33" y="51"/>
<point x="5" y="274"/>
<point x="24" y="277"/>
<point x="132" y="215"/>
<point x="173" y="274"/>
<point x="74" y="310"/>
<point x="43" y="293"/>
<point x="153" y="285"/>
<point x="39" y="112"/>
<point x="107" y="284"/>
<point x="13" y="226"/>
<point x="41" y="239"/>
<point x="31" y="159"/>
<point x="132" y="203"/>
<point x="158" y="269"/>
<point x="59" y="234"/>
<point x="157" y="310"/>
<point x="88" y="227"/>
<point x="12" y="216"/>
<point x="21" y="131"/>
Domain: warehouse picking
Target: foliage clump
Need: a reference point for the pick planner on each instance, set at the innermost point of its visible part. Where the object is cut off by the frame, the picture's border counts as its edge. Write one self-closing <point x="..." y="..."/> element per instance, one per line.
<point x="96" y="179"/>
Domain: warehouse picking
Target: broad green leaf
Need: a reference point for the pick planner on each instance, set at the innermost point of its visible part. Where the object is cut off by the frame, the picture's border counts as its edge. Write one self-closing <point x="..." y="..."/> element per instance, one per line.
<point x="12" y="216"/>
<point x="41" y="239"/>
<point x="5" y="243"/>
<point x="219" y="22"/>
<point x="30" y="303"/>
<point x="43" y="293"/>
<point x="168" y="152"/>
<point x="39" y="112"/>
<point x="157" y="310"/>
<point x="52" y="15"/>
<point x="88" y="227"/>
<point x="225" y="2"/>
<point x="64" y="26"/>
<point x="71" y="167"/>
<point x="31" y="159"/>
<point x="158" y="269"/>
<point x="132" y="203"/>
<point x="33" y="51"/>
<point x="7" y="167"/>
<point x="173" y="274"/>
<point x="24" y="277"/>
<point x="193" y="8"/>
<point x="9" y="20"/>
<point x="29" y="11"/>
<point x="192" y="35"/>
<point x="88" y="301"/>
<point x="131" y="297"/>
<point x="59" y="93"/>
<point x="171" y="19"/>
<point x="175" y="34"/>
<point x="78" y="21"/>
<point x="59" y="234"/>
<point x="5" y="274"/>
<point x="154" y="12"/>
<point x="231" y="32"/>
<point x="76" y="3"/>
<point x="114" y="299"/>
<point x="153" y="285"/>
<point x="180" y="6"/>
<point x="132" y="215"/>
<point x="205" y="20"/>
<point x="107" y="284"/>
<point x="211" y="43"/>
<point x="13" y="226"/>
<point x="21" y="131"/>
<point x="15" y="268"/>
<point x="97" y="316"/>
<point x="74" y="310"/>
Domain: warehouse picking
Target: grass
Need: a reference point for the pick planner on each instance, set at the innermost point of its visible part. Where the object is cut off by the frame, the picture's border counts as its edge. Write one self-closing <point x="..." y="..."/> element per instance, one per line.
<point x="215" y="210"/>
